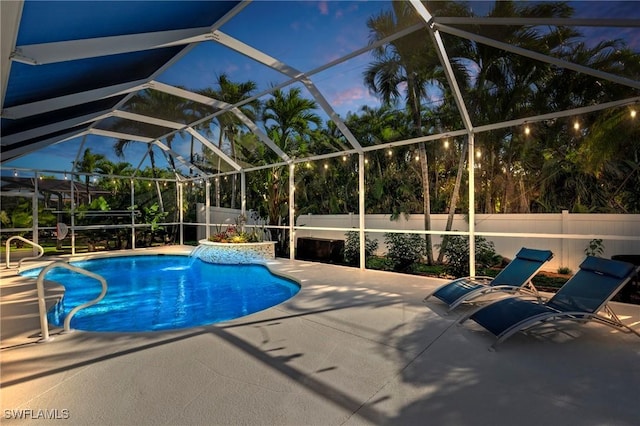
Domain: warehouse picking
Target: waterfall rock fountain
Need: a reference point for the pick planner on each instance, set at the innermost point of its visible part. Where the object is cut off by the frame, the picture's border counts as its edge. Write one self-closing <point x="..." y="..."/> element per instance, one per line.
<point x="235" y="253"/>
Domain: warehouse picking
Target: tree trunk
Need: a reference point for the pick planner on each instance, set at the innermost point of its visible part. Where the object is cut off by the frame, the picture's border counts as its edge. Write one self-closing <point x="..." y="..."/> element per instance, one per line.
<point x="524" y="202"/>
<point x="233" y="191"/>
<point x="454" y="202"/>
<point x="426" y="200"/>
<point x="152" y="159"/>
<point x="488" y="178"/>
<point x="191" y="158"/>
<point x="509" y="202"/>
<point x="218" y="195"/>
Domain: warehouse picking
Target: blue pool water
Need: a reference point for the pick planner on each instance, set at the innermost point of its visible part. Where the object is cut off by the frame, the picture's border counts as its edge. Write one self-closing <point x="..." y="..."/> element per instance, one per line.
<point x="148" y="293"/>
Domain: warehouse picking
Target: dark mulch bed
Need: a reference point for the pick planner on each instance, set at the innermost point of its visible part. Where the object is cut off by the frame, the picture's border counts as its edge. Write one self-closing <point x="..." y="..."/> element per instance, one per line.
<point x="551" y="282"/>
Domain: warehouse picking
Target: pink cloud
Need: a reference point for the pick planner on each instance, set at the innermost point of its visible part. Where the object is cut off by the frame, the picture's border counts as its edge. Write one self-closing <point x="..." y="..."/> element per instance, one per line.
<point x="323" y="7"/>
<point x="350" y="96"/>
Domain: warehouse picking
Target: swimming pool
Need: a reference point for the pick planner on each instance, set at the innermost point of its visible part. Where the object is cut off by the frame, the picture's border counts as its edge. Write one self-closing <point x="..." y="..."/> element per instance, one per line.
<point x="164" y="292"/>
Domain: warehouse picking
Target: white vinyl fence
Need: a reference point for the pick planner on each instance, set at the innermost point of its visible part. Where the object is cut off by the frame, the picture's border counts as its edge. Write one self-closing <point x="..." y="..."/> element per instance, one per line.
<point x="566" y="234"/>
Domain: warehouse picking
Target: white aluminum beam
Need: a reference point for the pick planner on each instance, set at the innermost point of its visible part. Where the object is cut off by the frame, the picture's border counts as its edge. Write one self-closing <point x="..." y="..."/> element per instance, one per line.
<point x="52" y="128"/>
<point x="358" y="52"/>
<point x="264" y="166"/>
<point x="79" y="153"/>
<point x="538" y="56"/>
<point x="206" y="142"/>
<point x="332" y="114"/>
<point x="10" y="15"/>
<point x="559" y="114"/>
<point x="412" y="141"/>
<point x="471" y="152"/>
<point x="292" y="215"/>
<point x="178" y="157"/>
<point x="255" y="54"/>
<point x="119" y="135"/>
<point x="149" y="120"/>
<point x="186" y="94"/>
<point x="335" y="62"/>
<point x="291" y="72"/>
<point x="11" y="153"/>
<point x="135" y="172"/>
<point x="517" y="21"/>
<point x="39" y="107"/>
<point x="446" y="63"/>
<point x="319" y="69"/>
<point x="260" y="134"/>
<point x="234" y="11"/>
<point x="224" y="106"/>
<point x="326" y="156"/>
<point x="71" y="50"/>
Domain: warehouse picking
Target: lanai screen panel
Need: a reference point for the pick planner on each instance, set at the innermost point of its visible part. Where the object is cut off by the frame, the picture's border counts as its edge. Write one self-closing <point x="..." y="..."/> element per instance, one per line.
<point x="56" y="31"/>
<point x="34" y="115"/>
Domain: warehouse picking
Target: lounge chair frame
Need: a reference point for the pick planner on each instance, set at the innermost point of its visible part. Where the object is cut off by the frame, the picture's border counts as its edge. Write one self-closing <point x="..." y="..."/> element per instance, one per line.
<point x="603" y="315"/>
<point x="486" y="288"/>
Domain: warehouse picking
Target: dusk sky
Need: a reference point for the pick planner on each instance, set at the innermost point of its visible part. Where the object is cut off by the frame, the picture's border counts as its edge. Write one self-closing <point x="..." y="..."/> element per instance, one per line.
<point x="304" y="35"/>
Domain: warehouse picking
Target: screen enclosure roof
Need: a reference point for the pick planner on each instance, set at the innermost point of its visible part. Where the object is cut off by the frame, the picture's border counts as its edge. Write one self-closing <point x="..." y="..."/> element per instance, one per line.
<point x="146" y="75"/>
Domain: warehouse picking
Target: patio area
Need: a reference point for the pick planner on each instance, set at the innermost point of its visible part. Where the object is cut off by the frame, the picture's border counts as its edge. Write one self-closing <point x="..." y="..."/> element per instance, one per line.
<point x="353" y="347"/>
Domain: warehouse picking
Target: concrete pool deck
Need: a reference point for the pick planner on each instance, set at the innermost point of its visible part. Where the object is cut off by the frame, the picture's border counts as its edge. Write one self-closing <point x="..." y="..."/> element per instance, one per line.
<point x="353" y="347"/>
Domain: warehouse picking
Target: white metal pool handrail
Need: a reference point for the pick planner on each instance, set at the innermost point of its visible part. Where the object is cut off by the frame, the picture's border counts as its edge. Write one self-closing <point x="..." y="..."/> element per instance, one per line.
<point x="42" y="306"/>
<point x="8" y="251"/>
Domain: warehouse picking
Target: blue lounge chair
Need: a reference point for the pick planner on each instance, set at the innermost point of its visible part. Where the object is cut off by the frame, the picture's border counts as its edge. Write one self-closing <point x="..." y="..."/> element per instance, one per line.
<point x="515" y="277"/>
<point x="583" y="298"/>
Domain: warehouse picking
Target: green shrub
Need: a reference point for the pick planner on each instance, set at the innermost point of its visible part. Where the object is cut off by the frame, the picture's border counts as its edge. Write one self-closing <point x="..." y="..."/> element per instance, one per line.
<point x="428" y="270"/>
<point x="404" y="249"/>
<point x="380" y="263"/>
<point x="457" y="255"/>
<point x="564" y="270"/>
<point x="352" y="247"/>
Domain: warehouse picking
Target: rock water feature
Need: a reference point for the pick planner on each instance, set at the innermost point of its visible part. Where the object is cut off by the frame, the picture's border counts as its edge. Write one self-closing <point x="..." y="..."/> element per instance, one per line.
<point x="235" y="253"/>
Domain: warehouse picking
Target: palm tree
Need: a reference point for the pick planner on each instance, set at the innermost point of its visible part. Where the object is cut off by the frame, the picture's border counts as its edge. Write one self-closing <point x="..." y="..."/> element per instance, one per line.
<point x="290" y="122"/>
<point x="89" y="163"/>
<point x="288" y="118"/>
<point x="410" y="63"/>
<point x="228" y="123"/>
<point x="153" y="103"/>
<point x="508" y="86"/>
<point x="374" y="126"/>
<point x="595" y="169"/>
